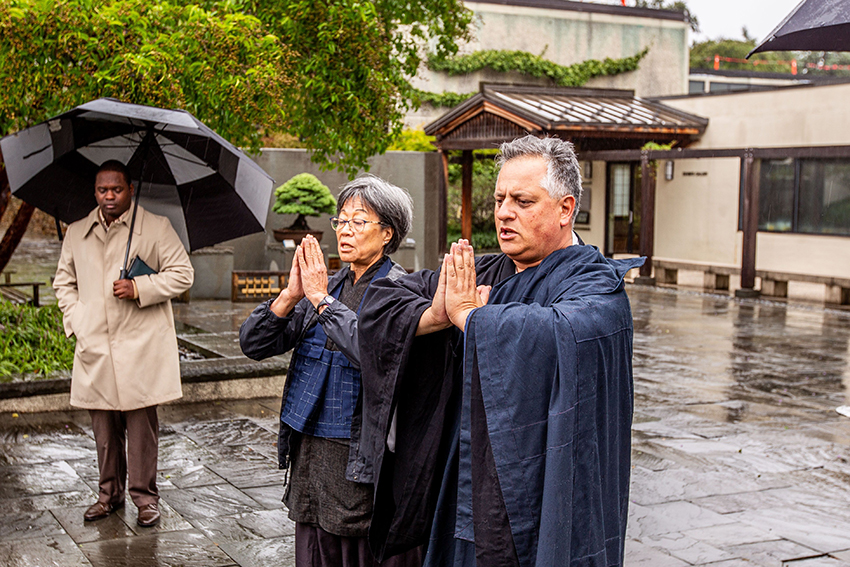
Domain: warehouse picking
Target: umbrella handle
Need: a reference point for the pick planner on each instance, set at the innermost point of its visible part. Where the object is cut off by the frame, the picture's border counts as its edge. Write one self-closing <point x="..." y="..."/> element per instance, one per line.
<point x="148" y="139"/>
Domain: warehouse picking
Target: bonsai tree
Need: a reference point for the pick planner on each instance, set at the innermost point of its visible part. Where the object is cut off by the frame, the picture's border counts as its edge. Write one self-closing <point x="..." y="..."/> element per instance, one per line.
<point x="303" y="195"/>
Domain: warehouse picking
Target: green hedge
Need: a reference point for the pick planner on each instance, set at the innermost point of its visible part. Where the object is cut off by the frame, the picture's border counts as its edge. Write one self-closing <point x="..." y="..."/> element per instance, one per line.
<point x="34" y="341"/>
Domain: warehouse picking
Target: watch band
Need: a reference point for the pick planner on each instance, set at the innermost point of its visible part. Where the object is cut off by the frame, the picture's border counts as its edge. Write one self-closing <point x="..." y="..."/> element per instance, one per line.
<point x="326" y="301"/>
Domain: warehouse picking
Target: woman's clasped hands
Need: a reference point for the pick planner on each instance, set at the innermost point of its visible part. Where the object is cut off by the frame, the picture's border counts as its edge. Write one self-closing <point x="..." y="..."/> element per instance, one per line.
<point x="307" y="277"/>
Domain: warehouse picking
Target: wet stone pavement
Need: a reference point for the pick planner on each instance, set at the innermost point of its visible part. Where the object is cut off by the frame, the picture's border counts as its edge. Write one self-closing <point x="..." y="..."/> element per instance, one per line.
<point x="739" y="457"/>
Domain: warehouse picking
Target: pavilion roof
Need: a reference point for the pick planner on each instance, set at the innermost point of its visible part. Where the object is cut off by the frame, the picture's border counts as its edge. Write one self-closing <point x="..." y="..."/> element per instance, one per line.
<point x="593" y="119"/>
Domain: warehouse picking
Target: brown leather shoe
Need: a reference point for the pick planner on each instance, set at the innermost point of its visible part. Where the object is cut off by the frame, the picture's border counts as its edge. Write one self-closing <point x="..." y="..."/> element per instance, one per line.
<point x="100" y="510"/>
<point x="148" y="515"/>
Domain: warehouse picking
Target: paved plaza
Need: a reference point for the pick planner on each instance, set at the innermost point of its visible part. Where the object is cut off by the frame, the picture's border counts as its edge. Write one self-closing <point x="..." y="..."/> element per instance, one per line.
<point x="739" y="457"/>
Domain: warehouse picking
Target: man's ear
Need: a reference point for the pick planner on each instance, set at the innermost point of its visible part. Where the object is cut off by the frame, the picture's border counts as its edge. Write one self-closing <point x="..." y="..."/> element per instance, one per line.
<point x="568" y="207"/>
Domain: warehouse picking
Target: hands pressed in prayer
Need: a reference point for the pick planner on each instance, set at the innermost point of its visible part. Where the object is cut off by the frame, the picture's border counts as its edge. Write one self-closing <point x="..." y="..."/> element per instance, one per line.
<point x="314" y="273"/>
<point x="462" y="295"/>
<point x="439" y="315"/>
<point x="293" y="292"/>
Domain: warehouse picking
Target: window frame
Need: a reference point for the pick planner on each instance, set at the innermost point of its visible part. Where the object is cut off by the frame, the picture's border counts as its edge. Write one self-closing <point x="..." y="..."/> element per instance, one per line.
<point x="796" y="191"/>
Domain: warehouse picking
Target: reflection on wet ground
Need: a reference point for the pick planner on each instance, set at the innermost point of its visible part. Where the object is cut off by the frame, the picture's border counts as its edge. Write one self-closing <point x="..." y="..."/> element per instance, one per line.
<point x="739" y="457"/>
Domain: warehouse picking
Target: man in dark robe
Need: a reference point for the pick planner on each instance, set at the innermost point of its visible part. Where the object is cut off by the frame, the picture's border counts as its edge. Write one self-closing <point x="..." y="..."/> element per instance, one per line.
<point x="498" y="410"/>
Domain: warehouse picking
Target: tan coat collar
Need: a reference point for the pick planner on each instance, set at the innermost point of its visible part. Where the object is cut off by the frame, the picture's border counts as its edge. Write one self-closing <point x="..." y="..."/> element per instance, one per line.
<point x="94" y="222"/>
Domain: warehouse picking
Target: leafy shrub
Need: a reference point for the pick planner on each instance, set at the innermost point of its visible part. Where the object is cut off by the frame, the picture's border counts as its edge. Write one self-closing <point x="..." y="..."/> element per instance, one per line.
<point x="415" y="140"/>
<point x="303" y="195"/>
<point x="34" y="340"/>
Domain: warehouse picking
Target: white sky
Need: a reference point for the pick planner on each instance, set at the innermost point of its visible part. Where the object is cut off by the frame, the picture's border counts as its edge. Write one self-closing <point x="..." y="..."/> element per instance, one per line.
<point x="725" y="18"/>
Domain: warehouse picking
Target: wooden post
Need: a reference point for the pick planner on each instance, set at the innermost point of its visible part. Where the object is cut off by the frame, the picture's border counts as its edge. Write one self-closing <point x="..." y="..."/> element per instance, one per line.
<point x="466" y="202"/>
<point x="750" y="216"/>
<point x="443" y="205"/>
<point x="647" y="217"/>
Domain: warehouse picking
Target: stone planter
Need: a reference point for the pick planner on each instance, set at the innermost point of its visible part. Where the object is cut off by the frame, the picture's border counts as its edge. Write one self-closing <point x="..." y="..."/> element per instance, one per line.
<point x="282" y="234"/>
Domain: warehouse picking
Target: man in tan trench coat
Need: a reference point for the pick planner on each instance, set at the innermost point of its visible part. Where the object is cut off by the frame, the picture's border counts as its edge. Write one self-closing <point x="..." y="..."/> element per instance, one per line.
<point x="126" y="360"/>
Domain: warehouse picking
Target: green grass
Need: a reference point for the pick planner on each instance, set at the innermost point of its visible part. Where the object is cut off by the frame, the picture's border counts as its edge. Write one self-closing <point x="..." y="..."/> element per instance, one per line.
<point x="34" y="341"/>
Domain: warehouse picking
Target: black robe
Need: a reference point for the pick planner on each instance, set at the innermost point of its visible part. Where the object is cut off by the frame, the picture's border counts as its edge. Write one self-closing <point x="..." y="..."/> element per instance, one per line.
<point x="542" y="383"/>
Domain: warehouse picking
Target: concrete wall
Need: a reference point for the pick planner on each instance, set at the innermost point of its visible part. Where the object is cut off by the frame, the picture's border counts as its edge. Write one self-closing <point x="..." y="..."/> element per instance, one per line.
<point x="567" y="37"/>
<point x="697" y="212"/>
<point x="418" y="172"/>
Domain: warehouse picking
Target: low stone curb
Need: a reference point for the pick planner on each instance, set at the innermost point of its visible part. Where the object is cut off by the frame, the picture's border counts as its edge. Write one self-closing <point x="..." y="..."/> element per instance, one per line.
<point x="191" y="371"/>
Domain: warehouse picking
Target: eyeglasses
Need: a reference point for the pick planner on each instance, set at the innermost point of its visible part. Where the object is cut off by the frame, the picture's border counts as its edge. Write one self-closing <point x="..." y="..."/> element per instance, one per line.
<point x="356" y="225"/>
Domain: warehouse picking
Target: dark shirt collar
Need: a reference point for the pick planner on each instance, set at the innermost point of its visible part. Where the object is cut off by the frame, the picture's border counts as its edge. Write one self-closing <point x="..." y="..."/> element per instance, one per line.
<point x="368" y="274"/>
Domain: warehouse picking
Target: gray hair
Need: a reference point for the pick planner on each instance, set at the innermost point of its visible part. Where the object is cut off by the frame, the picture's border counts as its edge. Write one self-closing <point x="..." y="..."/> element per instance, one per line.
<point x="392" y="204"/>
<point x="563" y="176"/>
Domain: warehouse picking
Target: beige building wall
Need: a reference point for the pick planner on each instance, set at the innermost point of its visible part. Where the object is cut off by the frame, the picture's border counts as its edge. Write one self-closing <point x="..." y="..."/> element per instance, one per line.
<point x="697" y="212"/>
<point x="567" y="37"/>
<point x="593" y="201"/>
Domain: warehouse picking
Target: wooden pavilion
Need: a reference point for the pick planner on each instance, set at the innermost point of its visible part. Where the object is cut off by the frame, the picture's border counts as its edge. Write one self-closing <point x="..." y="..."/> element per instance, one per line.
<point x="594" y="120"/>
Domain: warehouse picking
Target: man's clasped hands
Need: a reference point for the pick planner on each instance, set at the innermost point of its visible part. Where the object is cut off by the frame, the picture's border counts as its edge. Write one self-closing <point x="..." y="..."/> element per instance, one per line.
<point x="457" y="293"/>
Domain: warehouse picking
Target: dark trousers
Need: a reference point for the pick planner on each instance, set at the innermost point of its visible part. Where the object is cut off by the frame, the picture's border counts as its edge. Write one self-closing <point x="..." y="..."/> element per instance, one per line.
<point x="139" y="430"/>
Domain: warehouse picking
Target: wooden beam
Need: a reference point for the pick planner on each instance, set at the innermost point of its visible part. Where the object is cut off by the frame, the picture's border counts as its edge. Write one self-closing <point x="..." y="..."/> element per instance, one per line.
<point x="758" y="153"/>
<point x="466" y="199"/>
<point x="648" y="171"/>
<point x="750" y="214"/>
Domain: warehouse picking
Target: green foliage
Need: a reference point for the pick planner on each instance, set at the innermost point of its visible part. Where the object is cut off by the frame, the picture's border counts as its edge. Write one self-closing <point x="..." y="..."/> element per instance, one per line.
<point x="353" y="61"/>
<point x="214" y="61"/>
<point x="415" y="140"/>
<point x="535" y="66"/>
<point x="484" y="175"/>
<point x="304" y="195"/>
<point x="657" y="146"/>
<point x="34" y="340"/>
<point x="675" y="5"/>
<point x="702" y="56"/>
<point x="333" y="74"/>
<point x="445" y="99"/>
<point x="816" y="63"/>
<point x="821" y="61"/>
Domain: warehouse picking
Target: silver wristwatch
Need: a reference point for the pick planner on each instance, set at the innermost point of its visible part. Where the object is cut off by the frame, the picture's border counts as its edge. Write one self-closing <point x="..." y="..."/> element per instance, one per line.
<point x="326" y="301"/>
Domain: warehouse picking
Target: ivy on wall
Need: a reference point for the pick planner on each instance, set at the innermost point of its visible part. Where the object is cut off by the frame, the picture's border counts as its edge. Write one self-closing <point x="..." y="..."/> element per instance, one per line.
<point x="526" y="63"/>
<point x="446" y="99"/>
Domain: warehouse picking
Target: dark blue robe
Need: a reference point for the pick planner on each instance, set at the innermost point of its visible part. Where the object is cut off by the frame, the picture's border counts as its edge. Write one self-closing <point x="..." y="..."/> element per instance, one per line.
<point x="549" y="362"/>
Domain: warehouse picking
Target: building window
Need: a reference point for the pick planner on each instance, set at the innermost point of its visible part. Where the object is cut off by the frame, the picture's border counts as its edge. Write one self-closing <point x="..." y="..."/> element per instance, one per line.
<point x="810" y="196"/>
<point x="776" y="195"/>
<point x="622" y="186"/>
<point x="696" y="87"/>
<point x="824" y="197"/>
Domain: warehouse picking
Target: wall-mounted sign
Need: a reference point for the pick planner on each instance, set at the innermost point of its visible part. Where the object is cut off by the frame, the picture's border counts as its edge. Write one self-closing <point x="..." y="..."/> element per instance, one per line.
<point x="583" y="217"/>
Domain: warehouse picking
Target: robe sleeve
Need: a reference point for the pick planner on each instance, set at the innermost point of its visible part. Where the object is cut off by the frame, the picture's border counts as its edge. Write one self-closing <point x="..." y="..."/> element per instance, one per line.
<point x="263" y="334"/>
<point x="340" y="325"/>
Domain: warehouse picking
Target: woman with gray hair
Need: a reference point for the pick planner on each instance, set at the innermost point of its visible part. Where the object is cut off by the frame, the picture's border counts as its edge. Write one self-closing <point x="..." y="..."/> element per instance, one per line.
<point x="320" y="418"/>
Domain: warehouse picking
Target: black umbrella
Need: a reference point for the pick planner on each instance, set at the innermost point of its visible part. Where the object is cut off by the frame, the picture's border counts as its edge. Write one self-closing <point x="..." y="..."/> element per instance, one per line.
<point x="208" y="188"/>
<point x="814" y="25"/>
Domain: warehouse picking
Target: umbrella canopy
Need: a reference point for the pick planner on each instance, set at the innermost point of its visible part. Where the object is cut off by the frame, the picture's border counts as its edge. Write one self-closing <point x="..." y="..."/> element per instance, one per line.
<point x="814" y="25"/>
<point x="208" y="188"/>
